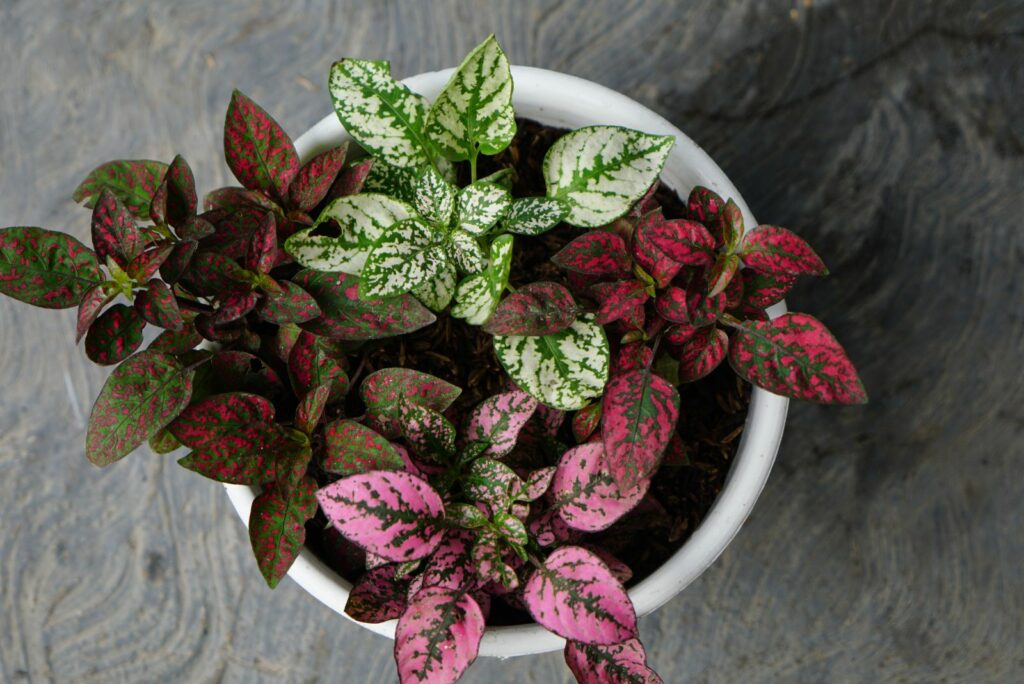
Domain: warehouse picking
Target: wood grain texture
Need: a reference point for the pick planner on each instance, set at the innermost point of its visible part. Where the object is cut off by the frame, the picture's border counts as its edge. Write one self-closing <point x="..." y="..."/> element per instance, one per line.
<point x="887" y="545"/>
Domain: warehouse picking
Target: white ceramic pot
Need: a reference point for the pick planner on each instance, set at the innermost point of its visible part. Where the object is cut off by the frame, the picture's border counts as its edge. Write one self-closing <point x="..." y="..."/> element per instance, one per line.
<point x="568" y="102"/>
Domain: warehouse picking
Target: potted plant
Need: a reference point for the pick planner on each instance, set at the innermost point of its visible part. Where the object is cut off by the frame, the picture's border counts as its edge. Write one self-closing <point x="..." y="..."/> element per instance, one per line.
<point x="449" y="349"/>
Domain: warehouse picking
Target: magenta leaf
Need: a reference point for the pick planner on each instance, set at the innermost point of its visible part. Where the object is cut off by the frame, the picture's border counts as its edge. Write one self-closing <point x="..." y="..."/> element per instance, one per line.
<point x="770" y="249"/>
<point x="391" y="514"/>
<point x="550" y="528"/>
<point x="175" y="199"/>
<point x="536" y="309"/>
<point x="681" y="306"/>
<point x="631" y="357"/>
<point x="277" y="526"/>
<point x="311" y="408"/>
<point x="723" y="271"/>
<point x="586" y="495"/>
<point x="491" y="482"/>
<point x="661" y="268"/>
<point x="428" y="432"/>
<point x="575" y="596"/>
<point x="316" y="177"/>
<point x="207" y="420"/>
<point x="351" y="448"/>
<point x="450" y="566"/>
<point x="761" y="290"/>
<point x="157" y="305"/>
<point x="620" y="570"/>
<point x="685" y="242"/>
<point x="262" y="249"/>
<point x="381" y="390"/>
<point x="89" y="308"/>
<point x="315" y="361"/>
<point x="438" y="636"/>
<point x="345" y="316"/>
<point x="292" y="305"/>
<point x="598" y="253"/>
<point x="258" y="151"/>
<point x="623" y="663"/>
<point x="377" y="596"/>
<point x="618" y="299"/>
<point x="498" y="420"/>
<point x="115" y="335"/>
<point x="140" y="397"/>
<point x="795" y="355"/>
<point x="701" y="353"/>
<point x="133" y="182"/>
<point x="640" y="411"/>
<point x="114" y="232"/>
<point x="585" y="422"/>
<point x="538" y="482"/>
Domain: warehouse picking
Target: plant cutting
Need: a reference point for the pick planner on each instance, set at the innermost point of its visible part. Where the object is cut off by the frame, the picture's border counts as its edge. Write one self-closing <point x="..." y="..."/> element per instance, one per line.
<point x="595" y="294"/>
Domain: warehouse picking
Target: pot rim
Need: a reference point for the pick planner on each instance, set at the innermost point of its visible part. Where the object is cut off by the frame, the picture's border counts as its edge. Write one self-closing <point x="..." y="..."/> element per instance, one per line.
<point x="562" y="100"/>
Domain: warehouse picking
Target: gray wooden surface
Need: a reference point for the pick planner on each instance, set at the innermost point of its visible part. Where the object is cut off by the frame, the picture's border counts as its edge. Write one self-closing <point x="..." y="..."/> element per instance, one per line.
<point x="888" y="543"/>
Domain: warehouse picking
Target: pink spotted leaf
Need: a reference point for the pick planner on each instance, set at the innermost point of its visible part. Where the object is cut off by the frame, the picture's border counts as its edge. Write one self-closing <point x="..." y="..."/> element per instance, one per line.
<point x="234" y="304"/>
<point x="438" y="636"/>
<point x="623" y="663"/>
<point x="640" y="411"/>
<point x="430" y="434"/>
<point x="761" y="290"/>
<point x="315" y="361"/>
<point x="631" y="357"/>
<point x="145" y="265"/>
<point x="254" y="454"/>
<point x="770" y="249"/>
<point x="451" y="565"/>
<point x="535" y="309"/>
<point x="597" y="253"/>
<point x="491" y="482"/>
<point x="258" y="151"/>
<point x="661" y="268"/>
<point x="690" y="306"/>
<point x="575" y="596"/>
<point x="587" y="497"/>
<point x="498" y="420"/>
<point x="538" y="483"/>
<point x="132" y="181"/>
<point x="488" y="556"/>
<point x="704" y="205"/>
<point x="277" y="526"/>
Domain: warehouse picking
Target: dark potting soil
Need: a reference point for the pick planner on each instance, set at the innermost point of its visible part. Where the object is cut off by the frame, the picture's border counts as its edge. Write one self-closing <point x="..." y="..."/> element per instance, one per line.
<point x="712" y="415"/>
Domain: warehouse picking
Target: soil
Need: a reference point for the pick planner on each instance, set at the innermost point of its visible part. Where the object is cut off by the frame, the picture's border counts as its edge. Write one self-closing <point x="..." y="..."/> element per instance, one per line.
<point x="713" y="410"/>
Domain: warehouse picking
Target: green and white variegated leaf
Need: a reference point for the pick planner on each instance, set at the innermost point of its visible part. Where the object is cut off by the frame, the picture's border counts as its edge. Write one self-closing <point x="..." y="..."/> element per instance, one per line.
<point x="405" y="257"/>
<point x="601" y="171"/>
<point x="436" y="294"/>
<point x="481" y="205"/>
<point x="563" y="370"/>
<point x="386" y="118"/>
<point x="465" y="251"/>
<point x="535" y="215"/>
<point x="474" y="111"/>
<point x="434" y="197"/>
<point x="395" y="181"/>
<point x="362" y="220"/>
<point x="477" y="296"/>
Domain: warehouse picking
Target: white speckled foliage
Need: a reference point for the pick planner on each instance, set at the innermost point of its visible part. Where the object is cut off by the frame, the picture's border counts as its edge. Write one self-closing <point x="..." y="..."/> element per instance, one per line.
<point x="477" y="296"/>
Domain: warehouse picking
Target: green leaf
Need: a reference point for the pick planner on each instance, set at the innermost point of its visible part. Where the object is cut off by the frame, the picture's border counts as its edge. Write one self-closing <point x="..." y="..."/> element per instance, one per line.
<point x="386" y="118"/>
<point x="477" y="296"/>
<point x="465" y="251"/>
<point x="395" y="181"/>
<point x="535" y="215"/>
<point x="405" y="257"/>
<point x="132" y="181"/>
<point x="277" y="526"/>
<point x="46" y="268"/>
<point x="474" y="111"/>
<point x="434" y="197"/>
<point x="601" y="171"/>
<point x="480" y="206"/>
<point x="437" y="293"/>
<point x="563" y="370"/>
<point x="361" y="220"/>
<point x="140" y="397"/>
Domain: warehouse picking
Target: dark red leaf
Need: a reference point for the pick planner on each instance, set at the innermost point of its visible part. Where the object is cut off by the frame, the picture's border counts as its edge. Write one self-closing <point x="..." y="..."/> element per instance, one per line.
<point x="175" y="199"/>
<point x="536" y="309"/>
<point x="685" y="242"/>
<point x="115" y="335"/>
<point x="233" y="304"/>
<point x="157" y="305"/>
<point x="598" y="252"/>
<point x="258" y="151"/>
<point x="177" y="341"/>
<point x="722" y="273"/>
<point x="254" y="454"/>
<point x="196" y="228"/>
<point x="704" y="205"/>
<point x="114" y="232"/>
<point x="632" y="356"/>
<point x="178" y="261"/>
<point x="795" y="355"/>
<point x="585" y="422"/>
<point x="245" y="372"/>
<point x="770" y="249"/>
<point x="701" y="353"/>
<point x="618" y="299"/>
<point x="350" y="448"/>
<point x="231" y="199"/>
<point x="316" y="177"/>
<point x="382" y="390"/>
<point x="263" y="245"/>
<point x="640" y="411"/>
<point x="729" y="226"/>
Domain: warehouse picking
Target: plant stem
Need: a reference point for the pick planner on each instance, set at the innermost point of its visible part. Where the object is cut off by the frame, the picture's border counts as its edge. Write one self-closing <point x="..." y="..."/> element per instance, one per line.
<point x="472" y="166"/>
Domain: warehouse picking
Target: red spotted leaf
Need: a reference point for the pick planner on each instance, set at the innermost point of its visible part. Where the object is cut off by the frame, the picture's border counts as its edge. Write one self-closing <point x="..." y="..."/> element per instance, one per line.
<point x="734" y="293"/>
<point x="586" y="495"/>
<point x="438" y="636"/>
<point x="234" y="304"/>
<point x="315" y="361"/>
<point x="262" y="251"/>
<point x="133" y="182"/>
<point x="291" y="305"/>
<point x="145" y="265"/>
<point x="596" y="253"/>
<point x="253" y="454"/>
<point x="722" y="273"/>
<point x="704" y="205"/>
<point x="535" y="309"/>
<point x="178" y="261"/>
<point x="351" y="180"/>
<point x="277" y="526"/>
<point x="392" y="514"/>
<point x="491" y="482"/>
<point x="114" y="232"/>
<point x="761" y="290"/>
<point x="89" y="309"/>
<point x="210" y="273"/>
<point x="685" y="242"/>
<point x="575" y="596"/>
<point x="46" y="268"/>
<point x="311" y="408"/>
<point x="284" y="340"/>
<point x="624" y="663"/>
<point x="429" y="433"/>
<point x="618" y="299"/>
<point x="631" y="357"/>
<point x="208" y="420"/>
<point x="796" y="356"/>
<point x="679" y="333"/>
<point x="232" y="199"/>
<point x="196" y="228"/>
<point x="381" y="390"/>
<point x="729" y="226"/>
<point x="377" y="596"/>
<point x="175" y="200"/>
<point x="115" y="335"/>
<point x="681" y="306"/>
<point x="640" y="411"/>
<point x="661" y="268"/>
<point x="498" y="420"/>
<point x="345" y="316"/>
<point x="316" y="177"/>
<point x="140" y="397"/>
<point x="157" y="305"/>
<point x="245" y="372"/>
<point x="258" y="151"/>
<point x="351" y="448"/>
<point x="177" y="341"/>
<point x="770" y="249"/>
<point x="585" y="422"/>
<point x="701" y="353"/>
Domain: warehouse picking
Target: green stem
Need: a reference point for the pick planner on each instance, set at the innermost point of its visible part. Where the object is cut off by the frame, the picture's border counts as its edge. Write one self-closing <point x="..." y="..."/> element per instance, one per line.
<point x="472" y="166"/>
